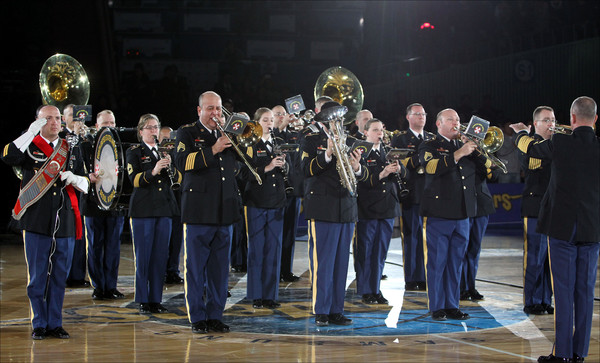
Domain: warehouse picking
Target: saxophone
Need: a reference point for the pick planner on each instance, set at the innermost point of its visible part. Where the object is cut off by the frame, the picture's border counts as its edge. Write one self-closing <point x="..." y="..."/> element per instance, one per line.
<point x="340" y="151"/>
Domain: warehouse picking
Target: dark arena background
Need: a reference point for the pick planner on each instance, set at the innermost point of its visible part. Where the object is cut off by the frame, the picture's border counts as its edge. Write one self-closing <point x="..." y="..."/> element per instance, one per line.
<point x="498" y="60"/>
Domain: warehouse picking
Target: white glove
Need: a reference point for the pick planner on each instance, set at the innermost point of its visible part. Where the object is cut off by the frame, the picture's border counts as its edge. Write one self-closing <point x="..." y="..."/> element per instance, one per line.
<point x="37" y="125"/>
<point x="79" y="182"/>
<point x="23" y="141"/>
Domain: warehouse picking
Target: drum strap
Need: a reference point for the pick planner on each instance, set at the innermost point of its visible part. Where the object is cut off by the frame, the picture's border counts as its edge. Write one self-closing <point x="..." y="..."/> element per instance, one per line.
<point x="43" y="180"/>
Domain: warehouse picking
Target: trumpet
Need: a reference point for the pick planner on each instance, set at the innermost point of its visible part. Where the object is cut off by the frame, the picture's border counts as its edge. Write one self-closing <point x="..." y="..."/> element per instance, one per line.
<point x="252" y="133"/>
<point x="561" y="129"/>
<point x="492" y="142"/>
<point x="164" y="149"/>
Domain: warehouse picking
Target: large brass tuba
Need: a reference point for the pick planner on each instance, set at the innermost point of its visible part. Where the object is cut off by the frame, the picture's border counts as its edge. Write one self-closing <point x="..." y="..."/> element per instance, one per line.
<point x="62" y="81"/>
<point x="343" y="87"/>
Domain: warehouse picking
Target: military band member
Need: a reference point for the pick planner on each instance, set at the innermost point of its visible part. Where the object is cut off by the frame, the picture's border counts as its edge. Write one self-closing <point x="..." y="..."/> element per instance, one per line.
<point x="102" y="229"/>
<point x="210" y="204"/>
<point x="447" y="204"/>
<point x="263" y="213"/>
<point x="570" y="217"/>
<point x="294" y="191"/>
<point x="412" y="222"/>
<point x="537" y="288"/>
<point x="331" y="212"/>
<point x="47" y="210"/>
<point x="378" y="206"/>
<point x="362" y="117"/>
<point x="151" y="207"/>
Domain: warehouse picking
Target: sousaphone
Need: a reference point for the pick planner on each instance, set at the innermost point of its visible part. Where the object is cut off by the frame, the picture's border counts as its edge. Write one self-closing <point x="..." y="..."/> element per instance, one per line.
<point x="343" y="87"/>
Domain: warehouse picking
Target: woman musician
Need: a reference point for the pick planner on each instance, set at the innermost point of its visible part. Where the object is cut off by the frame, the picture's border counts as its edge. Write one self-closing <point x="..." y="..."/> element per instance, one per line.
<point x="151" y="207"/>
<point x="263" y="213"/>
<point x="378" y="206"/>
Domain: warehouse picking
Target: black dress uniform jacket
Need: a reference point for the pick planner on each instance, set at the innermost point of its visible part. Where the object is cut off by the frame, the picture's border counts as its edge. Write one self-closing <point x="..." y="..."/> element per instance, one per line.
<point x="209" y="190"/>
<point x="40" y="217"/>
<point x="152" y="195"/>
<point x="271" y="194"/>
<point x="449" y="190"/>
<point x="485" y="202"/>
<point x="325" y="199"/>
<point x="537" y="177"/>
<point x="378" y="199"/>
<point x="569" y="200"/>
<point x="415" y="180"/>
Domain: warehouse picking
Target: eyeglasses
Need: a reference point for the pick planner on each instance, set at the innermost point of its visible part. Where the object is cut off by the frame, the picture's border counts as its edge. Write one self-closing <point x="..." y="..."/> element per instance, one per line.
<point x="280" y="114"/>
<point x="548" y="120"/>
<point x="155" y="127"/>
<point x="419" y="114"/>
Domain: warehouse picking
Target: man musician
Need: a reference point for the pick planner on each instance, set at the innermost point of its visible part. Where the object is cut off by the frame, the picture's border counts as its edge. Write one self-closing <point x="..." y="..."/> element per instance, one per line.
<point x="48" y="212"/>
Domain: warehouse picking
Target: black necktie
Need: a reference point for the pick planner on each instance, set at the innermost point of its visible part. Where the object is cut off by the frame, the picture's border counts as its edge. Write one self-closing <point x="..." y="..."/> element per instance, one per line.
<point x="155" y="153"/>
<point x="420" y="137"/>
<point x="269" y="145"/>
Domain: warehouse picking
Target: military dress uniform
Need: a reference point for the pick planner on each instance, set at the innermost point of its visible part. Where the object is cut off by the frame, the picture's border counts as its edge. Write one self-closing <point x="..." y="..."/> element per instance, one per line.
<point x="537" y="288"/>
<point x="292" y="206"/>
<point x="570" y="217"/>
<point x="449" y="200"/>
<point x="38" y="225"/>
<point x="263" y="213"/>
<point x="378" y="206"/>
<point x="210" y="204"/>
<point x="103" y="231"/>
<point x="151" y="208"/>
<point x="331" y="213"/>
<point x="412" y="222"/>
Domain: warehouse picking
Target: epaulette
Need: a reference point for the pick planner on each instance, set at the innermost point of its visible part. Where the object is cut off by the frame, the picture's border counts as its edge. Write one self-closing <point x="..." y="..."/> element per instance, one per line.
<point x="429" y="133"/>
<point x="135" y="146"/>
<point x="402" y="132"/>
<point x="188" y="125"/>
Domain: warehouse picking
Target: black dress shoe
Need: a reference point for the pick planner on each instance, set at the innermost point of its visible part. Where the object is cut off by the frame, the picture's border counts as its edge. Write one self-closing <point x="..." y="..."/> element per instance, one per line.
<point x="339" y="319"/>
<point x="411" y="286"/>
<point x="439" y="315"/>
<point x="456" y="314"/>
<point x="157" y="308"/>
<point x="145" y="308"/>
<point x="59" y="333"/>
<point x="549" y="308"/>
<point x="577" y="358"/>
<point x="271" y="304"/>
<point x="552" y="358"/>
<point x="257" y="303"/>
<point x="475" y="295"/>
<point x="465" y="296"/>
<point x="321" y="320"/>
<point x="199" y="327"/>
<point x="38" y="334"/>
<point x="380" y="299"/>
<point x="113" y="294"/>
<point x="98" y="294"/>
<point x="384" y="277"/>
<point x="421" y="285"/>
<point x="369" y="299"/>
<point x="78" y="283"/>
<point x="290" y="278"/>
<point x="239" y="269"/>
<point x="217" y="326"/>
<point x="535" y="309"/>
<point x="173" y="278"/>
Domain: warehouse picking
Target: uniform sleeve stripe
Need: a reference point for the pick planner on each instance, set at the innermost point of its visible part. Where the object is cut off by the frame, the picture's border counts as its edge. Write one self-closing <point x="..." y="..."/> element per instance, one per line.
<point x="136" y="180"/>
<point x="534" y="163"/>
<point x="190" y="160"/>
<point x="431" y="166"/>
<point x="5" y="150"/>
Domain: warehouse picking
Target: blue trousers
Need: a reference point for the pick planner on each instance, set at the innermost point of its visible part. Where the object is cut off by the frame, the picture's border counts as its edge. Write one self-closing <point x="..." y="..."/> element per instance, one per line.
<point x="478" y="226"/>
<point x="38" y="248"/>
<point x="150" y="253"/>
<point x="103" y="235"/>
<point x="328" y="253"/>
<point x="290" y="226"/>
<point x="445" y="246"/>
<point x="79" y="263"/>
<point x="537" y="287"/>
<point x="412" y="244"/>
<point x="265" y="229"/>
<point x="574" y="266"/>
<point x="370" y="250"/>
<point x="206" y="264"/>
<point x="175" y="243"/>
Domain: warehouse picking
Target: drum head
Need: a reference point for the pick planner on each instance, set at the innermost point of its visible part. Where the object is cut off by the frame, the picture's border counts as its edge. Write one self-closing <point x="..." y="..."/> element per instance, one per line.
<point x="109" y="167"/>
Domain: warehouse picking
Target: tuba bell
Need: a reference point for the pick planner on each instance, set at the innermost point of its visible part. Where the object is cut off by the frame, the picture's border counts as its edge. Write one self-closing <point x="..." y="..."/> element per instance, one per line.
<point x="63" y="81"/>
<point x="343" y="87"/>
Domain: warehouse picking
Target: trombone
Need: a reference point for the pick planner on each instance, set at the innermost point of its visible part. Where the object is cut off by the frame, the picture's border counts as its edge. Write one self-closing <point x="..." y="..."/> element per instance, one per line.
<point x="492" y="142"/>
<point x="250" y="136"/>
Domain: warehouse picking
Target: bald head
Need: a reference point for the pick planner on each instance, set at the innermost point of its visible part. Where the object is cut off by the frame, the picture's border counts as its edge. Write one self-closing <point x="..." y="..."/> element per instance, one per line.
<point x="584" y="110"/>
